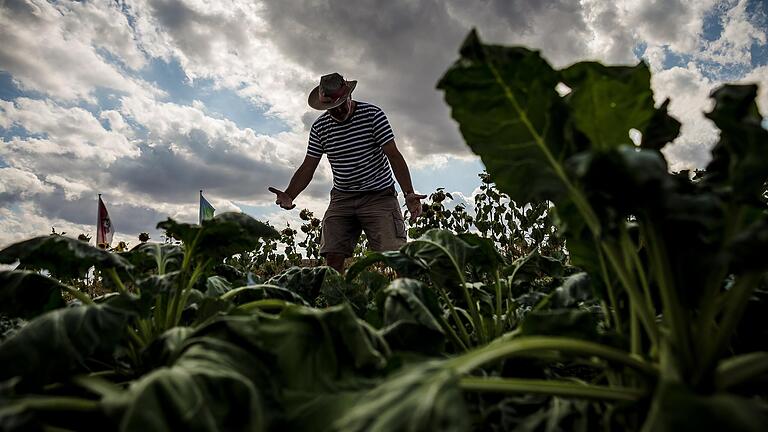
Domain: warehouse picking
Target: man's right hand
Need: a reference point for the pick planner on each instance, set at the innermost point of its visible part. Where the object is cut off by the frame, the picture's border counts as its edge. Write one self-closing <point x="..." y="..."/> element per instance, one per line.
<point x="283" y="199"/>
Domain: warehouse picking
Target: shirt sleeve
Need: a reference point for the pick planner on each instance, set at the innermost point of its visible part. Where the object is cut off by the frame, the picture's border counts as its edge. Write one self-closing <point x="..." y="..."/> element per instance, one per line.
<point x="382" y="132"/>
<point x="315" y="148"/>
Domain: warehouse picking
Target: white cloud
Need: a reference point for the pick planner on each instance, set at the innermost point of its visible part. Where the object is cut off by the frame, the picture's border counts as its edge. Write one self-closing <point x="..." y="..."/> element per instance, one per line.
<point x="22" y="183"/>
<point x="72" y="189"/>
<point x="689" y="92"/>
<point x="153" y="150"/>
<point x="736" y="39"/>
<point x="677" y="24"/>
<point x="72" y="131"/>
<point x="52" y="48"/>
<point x="759" y="76"/>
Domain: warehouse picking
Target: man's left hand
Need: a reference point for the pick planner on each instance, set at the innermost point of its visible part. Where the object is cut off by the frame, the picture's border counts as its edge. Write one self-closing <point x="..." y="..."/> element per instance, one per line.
<point x="413" y="202"/>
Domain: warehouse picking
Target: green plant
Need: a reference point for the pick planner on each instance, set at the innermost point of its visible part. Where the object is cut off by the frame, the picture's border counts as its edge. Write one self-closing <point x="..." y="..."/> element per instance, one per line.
<point x="657" y="244"/>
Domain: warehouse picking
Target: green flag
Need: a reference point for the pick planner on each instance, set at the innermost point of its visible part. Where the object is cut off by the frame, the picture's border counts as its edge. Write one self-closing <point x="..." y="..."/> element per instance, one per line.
<point x="206" y="209"/>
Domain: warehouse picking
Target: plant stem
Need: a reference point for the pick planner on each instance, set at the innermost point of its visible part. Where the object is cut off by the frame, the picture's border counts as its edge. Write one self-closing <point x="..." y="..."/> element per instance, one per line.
<point x="736" y="370"/>
<point x="135" y="337"/>
<point x="498" y="322"/>
<point x="483" y="338"/>
<point x="459" y="323"/>
<point x="631" y="251"/>
<point x="636" y="300"/>
<point x="58" y="403"/>
<point x="634" y="333"/>
<point x="263" y="304"/>
<point x="674" y="314"/>
<point x="112" y="273"/>
<point x="76" y="293"/>
<point x="452" y="333"/>
<point x="549" y="388"/>
<point x="736" y="300"/>
<point x="609" y="287"/>
<point x="526" y="344"/>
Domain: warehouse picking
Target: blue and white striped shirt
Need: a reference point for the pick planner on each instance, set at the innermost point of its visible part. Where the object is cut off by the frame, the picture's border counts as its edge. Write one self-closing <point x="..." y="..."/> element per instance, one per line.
<point x="354" y="148"/>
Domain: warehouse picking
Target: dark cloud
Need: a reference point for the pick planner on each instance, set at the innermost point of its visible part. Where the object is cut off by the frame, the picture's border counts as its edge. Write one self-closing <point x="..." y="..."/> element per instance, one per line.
<point x="197" y="33"/>
<point x="399" y="52"/>
<point x="207" y="163"/>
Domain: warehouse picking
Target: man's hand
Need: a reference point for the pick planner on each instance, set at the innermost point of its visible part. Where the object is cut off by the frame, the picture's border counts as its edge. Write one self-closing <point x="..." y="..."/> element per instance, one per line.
<point x="283" y="199"/>
<point x="413" y="202"/>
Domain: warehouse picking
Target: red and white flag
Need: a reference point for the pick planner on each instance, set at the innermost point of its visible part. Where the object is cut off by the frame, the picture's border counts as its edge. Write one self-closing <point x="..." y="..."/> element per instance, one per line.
<point x="104" y="228"/>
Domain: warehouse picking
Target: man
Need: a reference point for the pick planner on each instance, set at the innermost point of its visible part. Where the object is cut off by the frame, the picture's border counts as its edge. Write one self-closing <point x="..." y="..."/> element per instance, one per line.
<point x="361" y="148"/>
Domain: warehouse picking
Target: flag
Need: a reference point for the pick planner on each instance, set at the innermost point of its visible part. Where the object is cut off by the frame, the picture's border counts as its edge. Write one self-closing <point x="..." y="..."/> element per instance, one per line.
<point x="206" y="210"/>
<point x="104" y="228"/>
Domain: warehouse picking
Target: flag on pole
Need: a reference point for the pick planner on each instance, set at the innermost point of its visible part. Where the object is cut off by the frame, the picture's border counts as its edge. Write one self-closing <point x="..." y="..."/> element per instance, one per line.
<point x="206" y="209"/>
<point x="104" y="228"/>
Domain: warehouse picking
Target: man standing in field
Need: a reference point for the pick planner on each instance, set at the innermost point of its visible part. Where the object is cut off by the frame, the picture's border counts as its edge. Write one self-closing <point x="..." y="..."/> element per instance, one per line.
<point x="361" y="148"/>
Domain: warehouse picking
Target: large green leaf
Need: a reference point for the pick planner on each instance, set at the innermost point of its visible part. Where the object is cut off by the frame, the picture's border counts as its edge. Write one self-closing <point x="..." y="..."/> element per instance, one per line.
<point x="505" y="102"/>
<point x="60" y="342"/>
<point x="661" y="129"/>
<point x="576" y="289"/>
<point x="739" y="166"/>
<point x="410" y="312"/>
<point x="622" y="181"/>
<point x="424" y="397"/>
<point x="28" y="294"/>
<point x="224" y="235"/>
<point x="607" y="101"/>
<point x="216" y="286"/>
<point x="574" y="323"/>
<point x="212" y="386"/>
<point x="159" y="257"/>
<point x="403" y="264"/>
<point x="251" y="293"/>
<point x="62" y="256"/>
<point x="304" y="281"/>
<point x="678" y="409"/>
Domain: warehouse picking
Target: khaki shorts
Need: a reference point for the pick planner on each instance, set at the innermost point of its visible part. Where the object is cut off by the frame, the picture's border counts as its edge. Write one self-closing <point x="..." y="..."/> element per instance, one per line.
<point x="350" y="213"/>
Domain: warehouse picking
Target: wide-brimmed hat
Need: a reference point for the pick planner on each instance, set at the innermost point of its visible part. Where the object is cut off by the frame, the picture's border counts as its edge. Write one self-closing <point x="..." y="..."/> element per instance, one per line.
<point x="332" y="92"/>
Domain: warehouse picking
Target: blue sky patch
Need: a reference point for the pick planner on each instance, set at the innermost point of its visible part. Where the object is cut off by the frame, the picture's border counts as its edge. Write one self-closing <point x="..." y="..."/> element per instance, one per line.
<point x="219" y="103"/>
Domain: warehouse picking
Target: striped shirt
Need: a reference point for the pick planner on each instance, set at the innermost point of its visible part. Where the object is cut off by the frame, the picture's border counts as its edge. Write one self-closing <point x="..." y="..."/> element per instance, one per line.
<point x="354" y="148"/>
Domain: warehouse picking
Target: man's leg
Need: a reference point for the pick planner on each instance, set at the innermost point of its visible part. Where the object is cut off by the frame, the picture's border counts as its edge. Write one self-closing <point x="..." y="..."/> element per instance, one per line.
<point x="340" y="230"/>
<point x="382" y="220"/>
<point x="335" y="260"/>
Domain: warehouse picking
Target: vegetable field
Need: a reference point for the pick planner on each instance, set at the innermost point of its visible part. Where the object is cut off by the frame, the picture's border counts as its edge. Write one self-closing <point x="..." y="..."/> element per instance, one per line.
<point x="638" y="301"/>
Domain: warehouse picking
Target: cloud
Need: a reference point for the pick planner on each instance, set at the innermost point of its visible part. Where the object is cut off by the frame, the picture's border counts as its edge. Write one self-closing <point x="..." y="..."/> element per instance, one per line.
<point x="17" y="184"/>
<point x="54" y="48"/>
<point x="677" y="24"/>
<point x="738" y="34"/>
<point x="88" y="123"/>
<point x="68" y="132"/>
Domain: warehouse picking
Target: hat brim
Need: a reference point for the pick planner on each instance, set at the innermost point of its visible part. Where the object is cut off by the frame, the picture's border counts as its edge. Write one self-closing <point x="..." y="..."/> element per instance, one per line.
<point x="314" y="98"/>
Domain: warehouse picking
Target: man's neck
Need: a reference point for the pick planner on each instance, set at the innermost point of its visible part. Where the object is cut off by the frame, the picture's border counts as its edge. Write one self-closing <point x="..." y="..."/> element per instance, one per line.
<point x="349" y="113"/>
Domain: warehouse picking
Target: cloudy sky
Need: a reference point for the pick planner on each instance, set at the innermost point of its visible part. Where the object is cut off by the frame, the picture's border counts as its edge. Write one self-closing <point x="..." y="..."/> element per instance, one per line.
<point x="148" y="101"/>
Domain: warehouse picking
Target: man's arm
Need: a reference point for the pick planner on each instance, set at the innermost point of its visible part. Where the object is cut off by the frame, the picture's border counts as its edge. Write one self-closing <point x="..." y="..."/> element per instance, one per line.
<point x="299" y="182"/>
<point x="403" y="176"/>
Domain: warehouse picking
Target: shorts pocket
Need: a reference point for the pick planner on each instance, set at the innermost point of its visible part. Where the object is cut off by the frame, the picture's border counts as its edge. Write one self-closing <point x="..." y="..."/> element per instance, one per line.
<point x="399" y="225"/>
